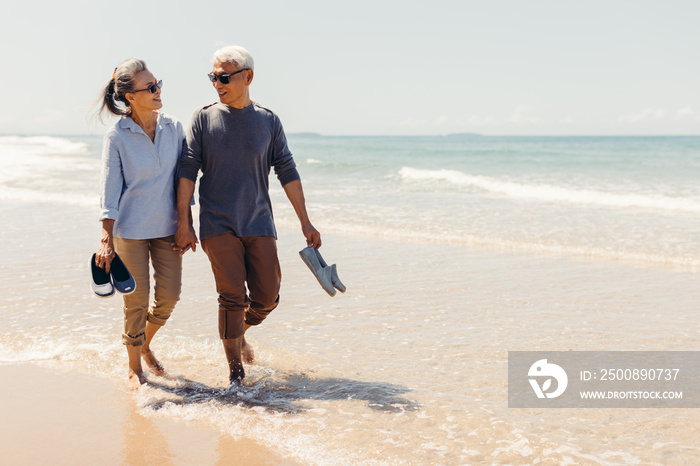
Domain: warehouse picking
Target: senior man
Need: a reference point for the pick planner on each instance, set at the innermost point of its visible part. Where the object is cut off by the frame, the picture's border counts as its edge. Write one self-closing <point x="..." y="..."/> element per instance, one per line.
<point x="235" y="142"/>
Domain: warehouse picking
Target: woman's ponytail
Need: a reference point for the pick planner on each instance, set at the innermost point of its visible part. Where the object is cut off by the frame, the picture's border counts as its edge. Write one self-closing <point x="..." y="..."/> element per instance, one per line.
<point x="112" y="99"/>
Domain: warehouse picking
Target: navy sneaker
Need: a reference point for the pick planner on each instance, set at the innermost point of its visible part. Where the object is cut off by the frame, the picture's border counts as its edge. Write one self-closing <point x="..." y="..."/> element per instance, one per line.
<point x="121" y="278"/>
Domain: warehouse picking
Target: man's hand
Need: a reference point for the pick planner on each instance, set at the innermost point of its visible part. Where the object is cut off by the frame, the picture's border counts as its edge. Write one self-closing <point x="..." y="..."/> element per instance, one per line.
<point x="185" y="238"/>
<point x="295" y="194"/>
<point x="313" y="237"/>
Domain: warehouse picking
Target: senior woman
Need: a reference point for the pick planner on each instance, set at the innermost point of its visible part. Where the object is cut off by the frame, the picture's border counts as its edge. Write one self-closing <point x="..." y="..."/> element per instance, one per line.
<point x="138" y="207"/>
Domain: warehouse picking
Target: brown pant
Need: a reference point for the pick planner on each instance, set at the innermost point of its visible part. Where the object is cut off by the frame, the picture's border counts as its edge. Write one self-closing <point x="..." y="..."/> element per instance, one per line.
<point x="167" y="267"/>
<point x="236" y="262"/>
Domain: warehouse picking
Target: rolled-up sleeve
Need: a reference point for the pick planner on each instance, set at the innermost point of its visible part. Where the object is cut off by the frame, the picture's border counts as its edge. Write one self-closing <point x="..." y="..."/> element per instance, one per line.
<point x="282" y="160"/>
<point x="112" y="178"/>
<point x="191" y="157"/>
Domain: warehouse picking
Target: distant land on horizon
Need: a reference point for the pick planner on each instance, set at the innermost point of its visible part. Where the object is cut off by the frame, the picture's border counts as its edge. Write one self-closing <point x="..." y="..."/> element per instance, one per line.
<point x="307" y="134"/>
<point x="479" y="135"/>
<point x="319" y="135"/>
<point x="458" y="135"/>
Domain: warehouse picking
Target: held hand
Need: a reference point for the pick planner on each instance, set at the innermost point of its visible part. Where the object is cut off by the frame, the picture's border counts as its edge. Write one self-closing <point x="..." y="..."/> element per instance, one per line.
<point x="313" y="237"/>
<point x="185" y="239"/>
<point x="104" y="256"/>
<point x="182" y="250"/>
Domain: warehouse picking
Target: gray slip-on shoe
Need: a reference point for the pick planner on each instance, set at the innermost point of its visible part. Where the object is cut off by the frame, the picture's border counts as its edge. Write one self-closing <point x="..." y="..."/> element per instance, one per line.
<point x="334" y="272"/>
<point x="322" y="274"/>
<point x="100" y="282"/>
<point x="335" y="280"/>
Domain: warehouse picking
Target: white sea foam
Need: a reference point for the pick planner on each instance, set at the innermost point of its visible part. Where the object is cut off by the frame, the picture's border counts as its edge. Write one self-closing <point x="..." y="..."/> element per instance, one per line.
<point x="33" y="170"/>
<point x="232" y="415"/>
<point x="28" y="195"/>
<point x="549" y="193"/>
<point x="36" y="352"/>
<point x="18" y="146"/>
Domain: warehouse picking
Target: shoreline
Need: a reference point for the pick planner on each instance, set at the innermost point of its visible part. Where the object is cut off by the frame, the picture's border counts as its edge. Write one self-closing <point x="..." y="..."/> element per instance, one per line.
<point x="60" y="416"/>
<point x="586" y="304"/>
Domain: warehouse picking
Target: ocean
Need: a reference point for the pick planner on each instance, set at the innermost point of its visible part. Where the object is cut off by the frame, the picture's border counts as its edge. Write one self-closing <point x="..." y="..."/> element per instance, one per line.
<point x="608" y="197"/>
<point x="455" y="250"/>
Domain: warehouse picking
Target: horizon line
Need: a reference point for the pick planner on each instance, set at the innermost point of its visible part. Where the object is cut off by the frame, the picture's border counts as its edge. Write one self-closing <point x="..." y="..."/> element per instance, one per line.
<point x="466" y="134"/>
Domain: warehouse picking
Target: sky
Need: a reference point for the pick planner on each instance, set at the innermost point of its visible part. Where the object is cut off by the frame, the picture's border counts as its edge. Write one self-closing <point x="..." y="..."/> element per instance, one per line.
<point x="494" y="67"/>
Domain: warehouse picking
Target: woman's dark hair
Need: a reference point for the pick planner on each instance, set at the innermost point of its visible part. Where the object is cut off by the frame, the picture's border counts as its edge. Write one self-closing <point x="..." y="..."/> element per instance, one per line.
<point x="113" y="98"/>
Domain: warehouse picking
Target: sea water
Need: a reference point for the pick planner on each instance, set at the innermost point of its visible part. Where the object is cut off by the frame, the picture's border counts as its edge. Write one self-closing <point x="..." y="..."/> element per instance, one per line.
<point x="608" y="197"/>
<point x="455" y="250"/>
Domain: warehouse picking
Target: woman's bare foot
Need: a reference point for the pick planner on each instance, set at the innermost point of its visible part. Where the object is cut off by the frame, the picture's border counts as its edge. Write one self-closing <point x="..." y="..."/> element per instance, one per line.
<point x="247" y="353"/>
<point x="136" y="380"/>
<point x="153" y="363"/>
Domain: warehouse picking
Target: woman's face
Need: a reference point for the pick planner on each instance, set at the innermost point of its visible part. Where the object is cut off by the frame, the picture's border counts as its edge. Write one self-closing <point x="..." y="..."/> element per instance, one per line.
<point x="142" y="98"/>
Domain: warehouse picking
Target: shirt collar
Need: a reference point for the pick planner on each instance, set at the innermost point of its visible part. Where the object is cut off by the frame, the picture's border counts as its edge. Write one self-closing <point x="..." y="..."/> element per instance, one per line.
<point x="127" y="123"/>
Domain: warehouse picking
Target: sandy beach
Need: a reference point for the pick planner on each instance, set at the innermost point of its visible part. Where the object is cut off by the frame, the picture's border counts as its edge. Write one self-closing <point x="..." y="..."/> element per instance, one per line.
<point x="454" y="382"/>
<point x="52" y="415"/>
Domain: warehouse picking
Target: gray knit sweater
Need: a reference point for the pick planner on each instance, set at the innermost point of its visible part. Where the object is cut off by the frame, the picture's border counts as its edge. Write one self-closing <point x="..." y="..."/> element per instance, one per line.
<point x="235" y="149"/>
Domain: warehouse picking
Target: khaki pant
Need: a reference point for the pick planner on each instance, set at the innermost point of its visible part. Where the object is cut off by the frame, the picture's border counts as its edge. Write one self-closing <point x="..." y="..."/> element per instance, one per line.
<point x="167" y="266"/>
<point x="237" y="262"/>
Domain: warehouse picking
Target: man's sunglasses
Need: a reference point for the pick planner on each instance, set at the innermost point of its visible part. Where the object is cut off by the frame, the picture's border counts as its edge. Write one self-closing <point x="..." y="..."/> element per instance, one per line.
<point x="153" y="87"/>
<point x="224" y="78"/>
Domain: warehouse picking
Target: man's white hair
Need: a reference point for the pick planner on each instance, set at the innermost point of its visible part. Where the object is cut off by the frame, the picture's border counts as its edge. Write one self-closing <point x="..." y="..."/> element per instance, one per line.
<point x="236" y="55"/>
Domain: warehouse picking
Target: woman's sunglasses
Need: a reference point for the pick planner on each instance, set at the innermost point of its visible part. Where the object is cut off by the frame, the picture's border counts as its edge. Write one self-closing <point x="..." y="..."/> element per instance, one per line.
<point x="224" y="78"/>
<point x="153" y="87"/>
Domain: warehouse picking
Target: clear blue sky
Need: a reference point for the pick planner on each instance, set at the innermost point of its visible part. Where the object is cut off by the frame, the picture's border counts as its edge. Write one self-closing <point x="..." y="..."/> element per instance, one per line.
<point x="371" y="67"/>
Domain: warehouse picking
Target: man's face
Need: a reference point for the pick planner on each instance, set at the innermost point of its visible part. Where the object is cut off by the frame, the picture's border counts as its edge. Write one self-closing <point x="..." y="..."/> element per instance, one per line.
<point x="235" y="93"/>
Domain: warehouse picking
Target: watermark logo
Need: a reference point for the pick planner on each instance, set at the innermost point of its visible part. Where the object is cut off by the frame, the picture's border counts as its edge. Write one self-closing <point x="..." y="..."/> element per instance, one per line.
<point x="547" y="371"/>
<point x="604" y="379"/>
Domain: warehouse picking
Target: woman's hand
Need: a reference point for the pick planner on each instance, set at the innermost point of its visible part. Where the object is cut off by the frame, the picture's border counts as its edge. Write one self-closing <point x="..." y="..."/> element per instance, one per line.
<point x="104" y="255"/>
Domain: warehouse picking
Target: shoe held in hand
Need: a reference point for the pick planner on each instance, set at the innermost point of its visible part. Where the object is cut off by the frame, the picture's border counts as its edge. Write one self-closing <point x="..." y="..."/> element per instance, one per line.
<point x="121" y="278"/>
<point x="334" y="272"/>
<point x="322" y="274"/>
<point x="101" y="282"/>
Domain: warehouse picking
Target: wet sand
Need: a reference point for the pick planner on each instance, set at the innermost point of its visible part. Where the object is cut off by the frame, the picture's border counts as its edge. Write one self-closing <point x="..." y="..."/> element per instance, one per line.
<point x="55" y="416"/>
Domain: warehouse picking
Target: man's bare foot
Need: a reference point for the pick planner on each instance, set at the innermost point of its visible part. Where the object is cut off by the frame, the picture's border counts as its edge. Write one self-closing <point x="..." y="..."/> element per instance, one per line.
<point x="237" y="375"/>
<point x="153" y="363"/>
<point x="232" y="348"/>
<point x="247" y="353"/>
<point x="136" y="380"/>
